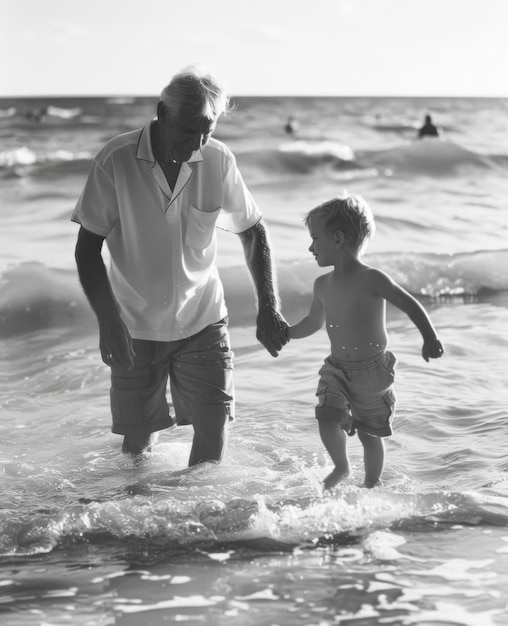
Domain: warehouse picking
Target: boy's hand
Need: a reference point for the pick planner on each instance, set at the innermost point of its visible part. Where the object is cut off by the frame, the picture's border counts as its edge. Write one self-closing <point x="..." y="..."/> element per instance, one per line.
<point x="432" y="349"/>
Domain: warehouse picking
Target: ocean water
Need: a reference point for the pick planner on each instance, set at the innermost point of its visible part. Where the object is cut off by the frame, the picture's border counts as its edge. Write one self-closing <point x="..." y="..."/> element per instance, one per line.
<point x="89" y="538"/>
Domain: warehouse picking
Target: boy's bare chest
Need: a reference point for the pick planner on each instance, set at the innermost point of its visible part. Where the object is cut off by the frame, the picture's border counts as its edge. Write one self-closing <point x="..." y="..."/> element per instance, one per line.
<point x="347" y="297"/>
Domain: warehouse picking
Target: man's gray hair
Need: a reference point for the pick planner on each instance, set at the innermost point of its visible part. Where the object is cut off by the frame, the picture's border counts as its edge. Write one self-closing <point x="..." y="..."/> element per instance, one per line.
<point x="194" y="87"/>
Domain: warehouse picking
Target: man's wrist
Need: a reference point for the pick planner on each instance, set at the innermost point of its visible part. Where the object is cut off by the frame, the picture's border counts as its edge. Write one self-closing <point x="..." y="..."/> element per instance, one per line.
<point x="269" y="309"/>
<point x="269" y="303"/>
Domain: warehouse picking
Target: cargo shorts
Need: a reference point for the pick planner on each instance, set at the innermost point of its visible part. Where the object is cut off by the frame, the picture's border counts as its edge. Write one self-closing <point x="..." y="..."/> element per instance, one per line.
<point x="200" y="373"/>
<point x="359" y="396"/>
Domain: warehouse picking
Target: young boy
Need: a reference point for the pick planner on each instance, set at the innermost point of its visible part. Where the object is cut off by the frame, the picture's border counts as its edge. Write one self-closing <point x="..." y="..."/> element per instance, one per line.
<point x="355" y="390"/>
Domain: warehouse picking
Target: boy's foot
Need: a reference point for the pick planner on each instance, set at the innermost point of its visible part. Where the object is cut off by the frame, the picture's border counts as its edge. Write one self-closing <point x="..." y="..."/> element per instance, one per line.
<point x="370" y="485"/>
<point x="333" y="479"/>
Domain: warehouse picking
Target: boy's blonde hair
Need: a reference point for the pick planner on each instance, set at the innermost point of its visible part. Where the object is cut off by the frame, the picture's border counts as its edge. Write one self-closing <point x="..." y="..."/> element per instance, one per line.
<point x="350" y="214"/>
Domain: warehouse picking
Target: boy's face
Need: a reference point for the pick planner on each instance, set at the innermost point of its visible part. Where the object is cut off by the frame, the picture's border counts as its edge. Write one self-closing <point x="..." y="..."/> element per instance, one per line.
<point x="323" y="245"/>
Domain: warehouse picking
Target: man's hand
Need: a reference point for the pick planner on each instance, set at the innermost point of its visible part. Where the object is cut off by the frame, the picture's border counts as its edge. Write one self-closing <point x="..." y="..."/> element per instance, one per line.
<point x="116" y="344"/>
<point x="432" y="349"/>
<point x="271" y="330"/>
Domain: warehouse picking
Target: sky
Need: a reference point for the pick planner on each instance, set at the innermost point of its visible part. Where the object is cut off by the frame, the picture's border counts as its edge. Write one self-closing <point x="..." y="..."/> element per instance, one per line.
<point x="261" y="47"/>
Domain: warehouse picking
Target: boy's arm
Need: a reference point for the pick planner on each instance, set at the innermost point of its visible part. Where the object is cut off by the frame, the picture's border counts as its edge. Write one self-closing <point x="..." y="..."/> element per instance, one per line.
<point x="386" y="288"/>
<point x="312" y="322"/>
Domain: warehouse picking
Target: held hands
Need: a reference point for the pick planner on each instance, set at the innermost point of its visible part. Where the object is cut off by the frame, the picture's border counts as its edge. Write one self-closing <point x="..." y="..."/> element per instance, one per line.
<point x="271" y="330"/>
<point x="116" y="344"/>
<point x="432" y="349"/>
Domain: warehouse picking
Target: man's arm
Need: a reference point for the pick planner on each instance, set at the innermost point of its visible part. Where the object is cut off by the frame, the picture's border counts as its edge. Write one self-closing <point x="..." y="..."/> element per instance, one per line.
<point x="271" y="326"/>
<point x="115" y="342"/>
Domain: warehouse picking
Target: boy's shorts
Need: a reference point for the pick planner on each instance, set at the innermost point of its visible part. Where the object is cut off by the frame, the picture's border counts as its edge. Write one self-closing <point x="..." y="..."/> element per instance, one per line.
<point x="359" y="396"/>
<point x="200" y="371"/>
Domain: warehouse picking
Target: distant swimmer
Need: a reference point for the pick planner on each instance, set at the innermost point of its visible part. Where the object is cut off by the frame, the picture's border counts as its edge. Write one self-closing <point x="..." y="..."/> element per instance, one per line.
<point x="428" y="129"/>
<point x="37" y="115"/>
<point x="291" y="126"/>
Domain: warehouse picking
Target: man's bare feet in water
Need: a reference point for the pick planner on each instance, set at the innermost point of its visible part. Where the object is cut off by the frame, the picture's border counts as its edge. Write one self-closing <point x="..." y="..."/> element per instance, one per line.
<point x="337" y="476"/>
<point x="136" y="445"/>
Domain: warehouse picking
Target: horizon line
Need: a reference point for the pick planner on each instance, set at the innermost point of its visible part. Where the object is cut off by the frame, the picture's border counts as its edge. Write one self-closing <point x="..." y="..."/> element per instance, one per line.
<point x="156" y="96"/>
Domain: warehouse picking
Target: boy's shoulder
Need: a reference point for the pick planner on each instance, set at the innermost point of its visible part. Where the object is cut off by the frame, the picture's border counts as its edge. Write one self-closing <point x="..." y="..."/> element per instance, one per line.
<point x="374" y="273"/>
<point x="365" y="277"/>
<point x="370" y="272"/>
<point x="322" y="279"/>
<point x="379" y="283"/>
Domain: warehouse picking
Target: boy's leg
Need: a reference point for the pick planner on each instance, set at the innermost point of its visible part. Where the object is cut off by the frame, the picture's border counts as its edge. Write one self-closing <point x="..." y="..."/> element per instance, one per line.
<point x="373" y="457"/>
<point x="334" y="439"/>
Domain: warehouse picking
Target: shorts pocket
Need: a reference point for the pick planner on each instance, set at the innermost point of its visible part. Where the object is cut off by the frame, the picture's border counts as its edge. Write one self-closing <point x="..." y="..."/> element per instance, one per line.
<point x="127" y="408"/>
<point x="387" y="364"/>
<point x="390" y="400"/>
<point x="321" y="394"/>
<point x="220" y="358"/>
<point x="200" y="228"/>
<point x="210" y="347"/>
<point x="137" y="378"/>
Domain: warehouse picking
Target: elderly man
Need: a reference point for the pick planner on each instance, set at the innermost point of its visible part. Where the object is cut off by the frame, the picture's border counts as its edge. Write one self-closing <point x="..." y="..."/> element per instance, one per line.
<point x="156" y="195"/>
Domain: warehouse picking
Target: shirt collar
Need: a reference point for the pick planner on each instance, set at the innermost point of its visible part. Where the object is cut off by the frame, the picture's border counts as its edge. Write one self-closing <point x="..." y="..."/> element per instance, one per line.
<point x="145" y="151"/>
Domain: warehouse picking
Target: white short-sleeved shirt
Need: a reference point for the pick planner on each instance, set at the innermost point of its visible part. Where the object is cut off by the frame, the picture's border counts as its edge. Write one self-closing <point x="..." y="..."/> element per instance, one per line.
<point x="162" y="243"/>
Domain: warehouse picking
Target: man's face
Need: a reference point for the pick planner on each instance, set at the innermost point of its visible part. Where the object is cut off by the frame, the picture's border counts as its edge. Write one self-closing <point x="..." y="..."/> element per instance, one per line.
<point x="183" y="132"/>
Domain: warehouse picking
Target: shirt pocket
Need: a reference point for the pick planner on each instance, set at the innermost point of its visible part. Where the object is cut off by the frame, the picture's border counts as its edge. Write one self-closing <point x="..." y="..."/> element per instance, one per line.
<point x="200" y="227"/>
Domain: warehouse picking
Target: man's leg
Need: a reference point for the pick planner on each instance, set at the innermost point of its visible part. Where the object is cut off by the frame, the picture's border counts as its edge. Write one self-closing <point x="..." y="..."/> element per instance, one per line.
<point x="202" y="389"/>
<point x="139" y="443"/>
<point x="210" y="435"/>
<point x="138" y="399"/>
